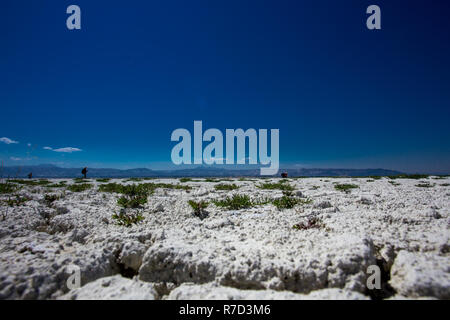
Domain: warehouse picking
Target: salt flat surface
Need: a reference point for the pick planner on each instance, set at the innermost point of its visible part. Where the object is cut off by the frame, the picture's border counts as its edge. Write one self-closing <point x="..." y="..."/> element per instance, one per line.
<point x="252" y="253"/>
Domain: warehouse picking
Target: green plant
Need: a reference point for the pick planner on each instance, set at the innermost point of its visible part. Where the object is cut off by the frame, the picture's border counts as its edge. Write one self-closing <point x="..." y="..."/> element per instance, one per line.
<point x="79" y="187"/>
<point x="394" y="183"/>
<point x="227" y="187"/>
<point x="345" y="187"/>
<point x="235" y="203"/>
<point x="424" y="185"/>
<point x="50" y="198"/>
<point x="17" y="201"/>
<point x="375" y="177"/>
<point x="128" y="219"/>
<point x="41" y="182"/>
<point x="409" y="176"/>
<point x="199" y="208"/>
<point x="102" y="180"/>
<point x="61" y="184"/>
<point x="182" y="180"/>
<point x="7" y="187"/>
<point x="312" y="223"/>
<point x="282" y="185"/>
<point x="288" y="201"/>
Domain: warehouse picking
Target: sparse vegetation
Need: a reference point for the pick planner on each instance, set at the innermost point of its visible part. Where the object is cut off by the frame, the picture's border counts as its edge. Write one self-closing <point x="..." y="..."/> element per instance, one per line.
<point x="50" y="198"/>
<point x="61" y="184"/>
<point x="409" y="176"/>
<point x="227" y="187"/>
<point x="288" y="201"/>
<point x="7" y="187"/>
<point x="79" y="187"/>
<point x="345" y="187"/>
<point x="199" y="208"/>
<point x="102" y="180"/>
<point x="16" y="201"/>
<point x="282" y="185"/>
<point x="425" y="185"/>
<point x="235" y="203"/>
<point x="394" y="183"/>
<point x="128" y="219"/>
<point x="375" y="177"/>
<point x="134" y="196"/>
<point x="41" y="182"/>
<point x="120" y="188"/>
<point x="312" y="223"/>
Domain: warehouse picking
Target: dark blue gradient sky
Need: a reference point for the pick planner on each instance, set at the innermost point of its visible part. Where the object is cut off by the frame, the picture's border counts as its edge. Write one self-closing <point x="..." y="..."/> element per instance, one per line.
<point x="341" y="95"/>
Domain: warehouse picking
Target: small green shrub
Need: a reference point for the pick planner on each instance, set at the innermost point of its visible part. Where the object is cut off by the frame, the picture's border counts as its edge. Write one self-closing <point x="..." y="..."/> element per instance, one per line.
<point x="79" y="187"/>
<point x="345" y="187"/>
<point x="235" y="203"/>
<point x="199" y="208"/>
<point x="7" y="187"/>
<point x="50" y="198"/>
<point x="288" y="201"/>
<point x="409" y="176"/>
<point x="102" y="180"/>
<point x="282" y="185"/>
<point x="227" y="187"/>
<point x="17" y="201"/>
<point x="312" y="223"/>
<point x="425" y="185"/>
<point x="128" y="219"/>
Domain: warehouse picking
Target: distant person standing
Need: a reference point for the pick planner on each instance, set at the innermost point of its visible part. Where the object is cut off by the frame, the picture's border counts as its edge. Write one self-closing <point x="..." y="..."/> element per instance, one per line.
<point x="30" y="175"/>
<point x="84" y="172"/>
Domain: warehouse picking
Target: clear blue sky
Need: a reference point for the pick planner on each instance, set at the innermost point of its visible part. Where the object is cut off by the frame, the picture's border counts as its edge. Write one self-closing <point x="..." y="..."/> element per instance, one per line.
<point x="341" y="95"/>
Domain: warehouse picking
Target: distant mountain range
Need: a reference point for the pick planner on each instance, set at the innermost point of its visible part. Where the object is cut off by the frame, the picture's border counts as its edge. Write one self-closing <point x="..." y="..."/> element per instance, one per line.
<point x="51" y="171"/>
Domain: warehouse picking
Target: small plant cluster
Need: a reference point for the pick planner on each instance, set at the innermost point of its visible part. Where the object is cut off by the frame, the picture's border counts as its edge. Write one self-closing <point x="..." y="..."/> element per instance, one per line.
<point x="199" y="208"/>
<point x="345" y="187"/>
<point x="236" y="202"/>
<point x="134" y="196"/>
<point x="7" y="187"/>
<point x="394" y="183"/>
<point x="17" y="201"/>
<point x="312" y="223"/>
<point x="128" y="219"/>
<point x="150" y="187"/>
<point x="226" y="187"/>
<point x="80" y="180"/>
<point x="217" y="180"/>
<point x="409" y="176"/>
<point x="282" y="185"/>
<point x="288" y="201"/>
<point x="50" y="198"/>
<point x="32" y="183"/>
<point x="102" y="180"/>
<point x="425" y="185"/>
<point x="61" y="184"/>
<point x="79" y="187"/>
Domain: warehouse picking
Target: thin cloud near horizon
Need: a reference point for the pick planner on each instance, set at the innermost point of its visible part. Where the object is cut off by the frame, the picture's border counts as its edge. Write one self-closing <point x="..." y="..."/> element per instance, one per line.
<point x="8" y="140"/>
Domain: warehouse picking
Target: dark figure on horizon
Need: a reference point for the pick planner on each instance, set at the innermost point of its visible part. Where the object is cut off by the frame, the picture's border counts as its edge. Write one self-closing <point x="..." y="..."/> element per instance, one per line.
<point x="30" y="175"/>
<point x="84" y="172"/>
<point x="284" y="175"/>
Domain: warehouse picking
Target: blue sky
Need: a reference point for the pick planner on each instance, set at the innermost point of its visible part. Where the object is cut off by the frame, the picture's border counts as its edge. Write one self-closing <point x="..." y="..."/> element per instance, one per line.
<point x="341" y="95"/>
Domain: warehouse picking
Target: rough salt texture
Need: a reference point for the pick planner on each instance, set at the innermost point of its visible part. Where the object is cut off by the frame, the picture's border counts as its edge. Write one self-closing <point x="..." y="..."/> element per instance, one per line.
<point x="253" y="252"/>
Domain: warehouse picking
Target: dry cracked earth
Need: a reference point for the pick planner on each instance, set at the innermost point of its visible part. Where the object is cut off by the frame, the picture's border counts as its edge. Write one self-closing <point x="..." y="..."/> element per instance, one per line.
<point x="401" y="226"/>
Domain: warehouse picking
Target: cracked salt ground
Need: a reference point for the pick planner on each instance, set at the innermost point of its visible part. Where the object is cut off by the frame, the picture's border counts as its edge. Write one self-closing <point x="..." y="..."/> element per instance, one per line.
<point x="250" y="253"/>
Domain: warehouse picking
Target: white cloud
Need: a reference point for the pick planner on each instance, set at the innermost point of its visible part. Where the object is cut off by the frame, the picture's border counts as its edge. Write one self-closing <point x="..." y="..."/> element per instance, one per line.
<point x="7" y="140"/>
<point x="67" y="150"/>
<point x="29" y="144"/>
<point x="47" y="148"/>
<point x="15" y="159"/>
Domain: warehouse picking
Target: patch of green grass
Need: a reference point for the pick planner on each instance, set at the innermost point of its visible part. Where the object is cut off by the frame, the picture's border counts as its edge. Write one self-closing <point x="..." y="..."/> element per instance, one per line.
<point x="227" y="187"/>
<point x="235" y="203"/>
<point x="61" y="184"/>
<point x="133" y="180"/>
<point x="79" y="187"/>
<point x="370" y="180"/>
<point x="41" y="182"/>
<point x="409" y="176"/>
<point x="183" y="180"/>
<point x="50" y="198"/>
<point x="134" y="196"/>
<point x="345" y="187"/>
<point x="80" y="180"/>
<point x="445" y="184"/>
<point x="17" y="201"/>
<point x="102" y="180"/>
<point x="282" y="185"/>
<point x="375" y="177"/>
<point x="425" y="185"/>
<point x="128" y="219"/>
<point x="288" y="201"/>
<point x="217" y="180"/>
<point x="199" y="207"/>
<point x="314" y="187"/>
<point x="394" y="183"/>
<point x="150" y="187"/>
<point x="7" y="187"/>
